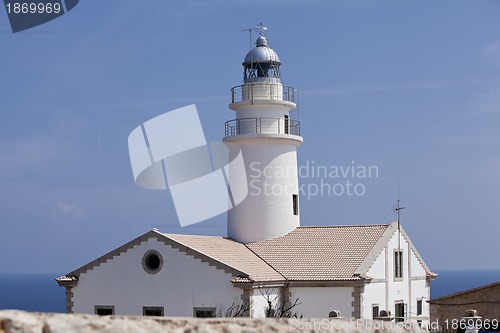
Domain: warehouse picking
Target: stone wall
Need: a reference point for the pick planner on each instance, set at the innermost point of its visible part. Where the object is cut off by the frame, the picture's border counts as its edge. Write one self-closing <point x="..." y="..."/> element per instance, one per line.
<point x="13" y="321"/>
<point x="446" y="310"/>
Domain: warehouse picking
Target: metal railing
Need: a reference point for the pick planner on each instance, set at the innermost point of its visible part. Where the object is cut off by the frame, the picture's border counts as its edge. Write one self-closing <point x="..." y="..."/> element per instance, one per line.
<point x="263" y="91"/>
<point x="262" y="125"/>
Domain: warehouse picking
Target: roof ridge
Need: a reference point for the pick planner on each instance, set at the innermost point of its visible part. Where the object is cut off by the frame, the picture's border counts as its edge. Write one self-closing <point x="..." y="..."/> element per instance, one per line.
<point x="243" y="272"/>
<point x="206" y="236"/>
<point x="195" y="253"/>
<point x="263" y="260"/>
<point x="343" y="226"/>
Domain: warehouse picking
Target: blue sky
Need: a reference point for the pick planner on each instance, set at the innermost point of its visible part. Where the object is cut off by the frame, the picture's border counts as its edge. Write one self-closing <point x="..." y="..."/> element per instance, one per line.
<point x="411" y="87"/>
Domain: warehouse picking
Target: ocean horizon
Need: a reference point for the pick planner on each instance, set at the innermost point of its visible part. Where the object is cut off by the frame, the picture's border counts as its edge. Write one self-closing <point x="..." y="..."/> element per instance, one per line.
<point x="40" y="292"/>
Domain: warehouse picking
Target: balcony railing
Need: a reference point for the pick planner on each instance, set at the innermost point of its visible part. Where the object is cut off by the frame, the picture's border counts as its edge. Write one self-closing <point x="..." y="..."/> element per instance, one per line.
<point x="263" y="91"/>
<point x="262" y="125"/>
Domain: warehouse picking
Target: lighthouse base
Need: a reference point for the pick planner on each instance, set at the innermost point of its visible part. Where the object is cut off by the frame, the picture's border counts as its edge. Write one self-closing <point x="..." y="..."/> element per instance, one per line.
<point x="271" y="208"/>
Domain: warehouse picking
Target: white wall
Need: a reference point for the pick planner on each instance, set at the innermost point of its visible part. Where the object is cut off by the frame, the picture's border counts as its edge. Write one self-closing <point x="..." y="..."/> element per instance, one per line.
<point x="182" y="283"/>
<point x="416" y="267"/>
<point x="420" y="290"/>
<point x="377" y="270"/>
<point x="385" y="290"/>
<point x="271" y="176"/>
<point x="259" y="301"/>
<point x="374" y="294"/>
<point x="317" y="302"/>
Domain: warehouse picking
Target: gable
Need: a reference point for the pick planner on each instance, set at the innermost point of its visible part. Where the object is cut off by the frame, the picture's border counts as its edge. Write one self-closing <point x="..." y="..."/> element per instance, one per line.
<point x="127" y="284"/>
<point x="418" y="265"/>
<point x="221" y="253"/>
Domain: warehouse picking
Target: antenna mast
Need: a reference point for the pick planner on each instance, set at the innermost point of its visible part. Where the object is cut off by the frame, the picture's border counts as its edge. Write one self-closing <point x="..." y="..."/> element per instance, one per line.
<point x="398" y="210"/>
<point x="260" y="28"/>
<point x="262" y="31"/>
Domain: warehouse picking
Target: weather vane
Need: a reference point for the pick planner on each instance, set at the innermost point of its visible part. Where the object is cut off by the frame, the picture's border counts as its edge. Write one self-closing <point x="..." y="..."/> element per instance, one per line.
<point x="260" y="28"/>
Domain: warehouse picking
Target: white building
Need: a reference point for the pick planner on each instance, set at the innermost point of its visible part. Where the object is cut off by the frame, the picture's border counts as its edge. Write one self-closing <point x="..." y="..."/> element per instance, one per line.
<point x="268" y="263"/>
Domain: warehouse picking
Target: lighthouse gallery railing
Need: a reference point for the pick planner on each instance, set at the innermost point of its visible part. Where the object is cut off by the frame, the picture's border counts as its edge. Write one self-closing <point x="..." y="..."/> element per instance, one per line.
<point x="263" y="91"/>
<point x="262" y="125"/>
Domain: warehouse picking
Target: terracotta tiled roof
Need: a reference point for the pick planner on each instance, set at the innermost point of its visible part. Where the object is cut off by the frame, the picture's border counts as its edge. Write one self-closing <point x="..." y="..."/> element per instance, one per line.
<point x="320" y="253"/>
<point x="230" y="253"/>
<point x="326" y="253"/>
<point x="305" y="254"/>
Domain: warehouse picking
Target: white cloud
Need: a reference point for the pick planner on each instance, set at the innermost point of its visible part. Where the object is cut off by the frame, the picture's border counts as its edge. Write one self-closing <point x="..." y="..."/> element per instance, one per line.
<point x="66" y="213"/>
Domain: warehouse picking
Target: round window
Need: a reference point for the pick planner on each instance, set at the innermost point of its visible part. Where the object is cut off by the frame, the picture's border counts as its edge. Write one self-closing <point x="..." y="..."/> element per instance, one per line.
<point x="152" y="262"/>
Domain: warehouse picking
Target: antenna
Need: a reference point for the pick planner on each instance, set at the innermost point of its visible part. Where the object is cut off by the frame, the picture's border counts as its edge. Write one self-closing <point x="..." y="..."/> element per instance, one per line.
<point x="260" y="28"/>
<point x="398" y="210"/>
<point x="262" y="31"/>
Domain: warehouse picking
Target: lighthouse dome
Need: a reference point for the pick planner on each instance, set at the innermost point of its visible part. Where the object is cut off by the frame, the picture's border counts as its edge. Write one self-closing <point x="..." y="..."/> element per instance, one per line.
<point x="262" y="52"/>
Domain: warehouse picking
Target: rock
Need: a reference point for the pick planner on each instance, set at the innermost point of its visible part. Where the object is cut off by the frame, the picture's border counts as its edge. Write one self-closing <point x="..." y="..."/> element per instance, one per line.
<point x="20" y="322"/>
<point x="13" y="321"/>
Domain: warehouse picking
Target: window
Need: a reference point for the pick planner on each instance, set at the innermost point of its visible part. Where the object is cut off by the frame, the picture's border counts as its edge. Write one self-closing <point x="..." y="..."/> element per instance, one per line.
<point x="398" y="263"/>
<point x="104" y="310"/>
<point x="375" y="311"/>
<point x="154" y="311"/>
<point x="152" y="262"/>
<point x="400" y="311"/>
<point x="419" y="307"/>
<point x="204" y="312"/>
<point x="287" y="125"/>
<point x="295" y="200"/>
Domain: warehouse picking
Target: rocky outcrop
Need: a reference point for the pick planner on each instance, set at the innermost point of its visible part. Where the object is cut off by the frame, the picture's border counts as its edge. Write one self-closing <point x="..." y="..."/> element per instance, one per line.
<point x="12" y="321"/>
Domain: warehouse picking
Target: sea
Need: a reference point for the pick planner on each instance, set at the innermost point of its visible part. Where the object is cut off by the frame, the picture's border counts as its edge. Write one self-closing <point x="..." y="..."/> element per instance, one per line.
<point x="40" y="292"/>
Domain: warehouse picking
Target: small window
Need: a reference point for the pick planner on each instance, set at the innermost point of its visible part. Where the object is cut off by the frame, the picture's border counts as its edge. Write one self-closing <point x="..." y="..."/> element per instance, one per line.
<point x="104" y="310"/>
<point x="419" y="307"/>
<point x="204" y="312"/>
<point x="153" y="311"/>
<point x="400" y="311"/>
<point x="398" y="263"/>
<point x="295" y="200"/>
<point x="152" y="262"/>
<point x="375" y="311"/>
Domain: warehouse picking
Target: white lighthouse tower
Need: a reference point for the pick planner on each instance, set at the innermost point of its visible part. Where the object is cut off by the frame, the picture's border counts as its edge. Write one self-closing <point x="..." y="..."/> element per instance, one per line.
<point x="267" y="132"/>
